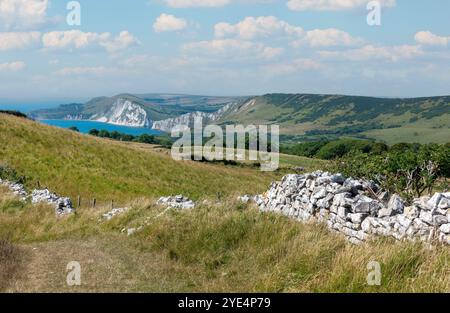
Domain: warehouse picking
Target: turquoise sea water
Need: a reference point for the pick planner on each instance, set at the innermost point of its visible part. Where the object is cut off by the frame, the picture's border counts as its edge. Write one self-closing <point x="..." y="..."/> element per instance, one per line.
<point x="86" y="126"/>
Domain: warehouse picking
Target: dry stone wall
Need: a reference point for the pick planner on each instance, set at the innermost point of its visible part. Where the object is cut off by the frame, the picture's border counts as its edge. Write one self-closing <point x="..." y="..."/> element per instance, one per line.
<point x="358" y="209"/>
<point x="62" y="205"/>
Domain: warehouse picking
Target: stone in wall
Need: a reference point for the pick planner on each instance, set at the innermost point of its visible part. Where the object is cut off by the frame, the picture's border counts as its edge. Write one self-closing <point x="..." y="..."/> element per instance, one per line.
<point x="358" y="209"/>
<point x="176" y="202"/>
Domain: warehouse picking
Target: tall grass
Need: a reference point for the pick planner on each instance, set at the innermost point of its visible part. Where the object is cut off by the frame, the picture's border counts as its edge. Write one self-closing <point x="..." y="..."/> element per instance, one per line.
<point x="219" y="247"/>
<point x="216" y="248"/>
<point x="10" y="262"/>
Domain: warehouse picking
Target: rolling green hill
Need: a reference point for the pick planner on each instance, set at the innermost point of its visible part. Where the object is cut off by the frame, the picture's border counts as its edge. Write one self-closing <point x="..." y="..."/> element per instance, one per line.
<point x="300" y="116"/>
<point x="220" y="246"/>
<point x="317" y="116"/>
<point x="75" y="164"/>
<point x="157" y="106"/>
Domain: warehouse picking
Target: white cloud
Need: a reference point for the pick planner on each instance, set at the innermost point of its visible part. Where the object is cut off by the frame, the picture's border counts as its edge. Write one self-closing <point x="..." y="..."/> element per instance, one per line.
<point x="77" y="39"/>
<point x="233" y="48"/>
<point x="196" y="3"/>
<point x="328" y="37"/>
<point x="332" y="5"/>
<point x="255" y="27"/>
<point x="97" y="71"/>
<point x="428" y="38"/>
<point x="294" y="66"/>
<point x="120" y="42"/>
<point x="269" y="26"/>
<point x="370" y="52"/>
<point x="168" y="23"/>
<point x="12" y="66"/>
<point x="23" y="14"/>
<point x="18" y="40"/>
<point x="72" y="39"/>
<point x="209" y="3"/>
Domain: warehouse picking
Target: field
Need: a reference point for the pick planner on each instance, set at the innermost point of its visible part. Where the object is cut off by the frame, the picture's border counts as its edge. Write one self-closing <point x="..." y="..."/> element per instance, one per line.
<point x="220" y="246"/>
<point x="410" y="134"/>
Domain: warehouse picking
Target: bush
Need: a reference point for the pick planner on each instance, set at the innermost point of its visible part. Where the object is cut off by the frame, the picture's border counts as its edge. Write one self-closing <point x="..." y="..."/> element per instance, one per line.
<point x="306" y="149"/>
<point x="339" y="148"/>
<point x="163" y="141"/>
<point x="94" y="132"/>
<point x="10" y="174"/>
<point x="409" y="170"/>
<point x="330" y="150"/>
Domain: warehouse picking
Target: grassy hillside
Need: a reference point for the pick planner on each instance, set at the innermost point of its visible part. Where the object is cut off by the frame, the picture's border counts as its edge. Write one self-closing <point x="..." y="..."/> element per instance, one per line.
<point x="74" y="164"/>
<point x="218" y="247"/>
<point x="214" y="248"/>
<point x="313" y="116"/>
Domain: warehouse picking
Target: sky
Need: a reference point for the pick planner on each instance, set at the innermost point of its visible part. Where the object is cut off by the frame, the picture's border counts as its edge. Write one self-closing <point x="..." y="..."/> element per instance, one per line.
<point x="222" y="47"/>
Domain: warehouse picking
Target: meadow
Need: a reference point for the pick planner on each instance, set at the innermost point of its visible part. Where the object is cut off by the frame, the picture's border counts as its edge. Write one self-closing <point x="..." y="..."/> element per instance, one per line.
<point x="220" y="246"/>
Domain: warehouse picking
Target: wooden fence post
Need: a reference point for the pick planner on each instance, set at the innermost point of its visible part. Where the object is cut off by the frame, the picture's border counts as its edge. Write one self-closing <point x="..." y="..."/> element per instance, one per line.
<point x="79" y="201"/>
<point x="94" y="201"/>
<point x="112" y="204"/>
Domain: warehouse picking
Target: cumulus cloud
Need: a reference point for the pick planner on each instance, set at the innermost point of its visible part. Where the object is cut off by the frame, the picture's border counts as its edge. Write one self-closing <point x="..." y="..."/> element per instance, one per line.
<point x="23" y="14"/>
<point x="255" y="27"/>
<point x="18" y="40"/>
<point x="370" y="52"/>
<point x="76" y="39"/>
<point x="428" y="38"/>
<point x="120" y="42"/>
<point x="98" y="71"/>
<point x="233" y="48"/>
<point x="269" y="26"/>
<point x="294" y="66"/>
<point x="12" y="66"/>
<point x="209" y="3"/>
<point x="196" y="3"/>
<point x="328" y="37"/>
<point x="332" y="5"/>
<point x="169" y="23"/>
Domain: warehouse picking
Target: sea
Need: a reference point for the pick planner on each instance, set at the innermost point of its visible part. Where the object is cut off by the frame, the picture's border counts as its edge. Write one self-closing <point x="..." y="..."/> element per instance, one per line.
<point x="83" y="126"/>
<point x="86" y="126"/>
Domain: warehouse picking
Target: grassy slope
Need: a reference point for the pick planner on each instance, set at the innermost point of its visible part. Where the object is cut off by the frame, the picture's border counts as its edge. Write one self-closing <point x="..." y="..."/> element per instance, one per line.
<point x="216" y="247"/>
<point x="219" y="248"/>
<point x="400" y="119"/>
<point x="74" y="164"/>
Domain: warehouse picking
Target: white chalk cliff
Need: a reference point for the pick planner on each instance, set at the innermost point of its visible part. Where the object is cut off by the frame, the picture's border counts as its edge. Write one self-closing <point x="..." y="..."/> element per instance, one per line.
<point x="126" y="113"/>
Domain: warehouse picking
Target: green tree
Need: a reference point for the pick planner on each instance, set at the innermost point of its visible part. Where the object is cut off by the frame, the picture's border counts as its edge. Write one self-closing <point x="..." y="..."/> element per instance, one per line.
<point x="94" y="132"/>
<point x="74" y="128"/>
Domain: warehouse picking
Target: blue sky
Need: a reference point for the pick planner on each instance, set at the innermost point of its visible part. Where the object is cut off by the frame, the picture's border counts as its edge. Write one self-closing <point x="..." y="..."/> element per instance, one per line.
<point x="222" y="47"/>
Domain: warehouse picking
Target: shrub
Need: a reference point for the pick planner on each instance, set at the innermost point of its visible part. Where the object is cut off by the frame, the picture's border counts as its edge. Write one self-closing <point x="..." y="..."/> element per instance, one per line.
<point x="10" y="174"/>
<point x="330" y="150"/>
<point x="306" y="149"/>
<point x="74" y="128"/>
<point x="94" y="132"/>
<point x="409" y="170"/>
<point x="339" y="148"/>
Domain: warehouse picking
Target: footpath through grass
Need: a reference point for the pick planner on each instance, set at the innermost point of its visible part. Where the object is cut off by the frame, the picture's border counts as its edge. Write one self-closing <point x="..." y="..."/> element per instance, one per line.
<point x="226" y="247"/>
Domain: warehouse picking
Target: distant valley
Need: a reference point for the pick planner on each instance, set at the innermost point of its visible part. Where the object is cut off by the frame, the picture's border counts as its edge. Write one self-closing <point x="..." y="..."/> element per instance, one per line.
<point x="300" y="116"/>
